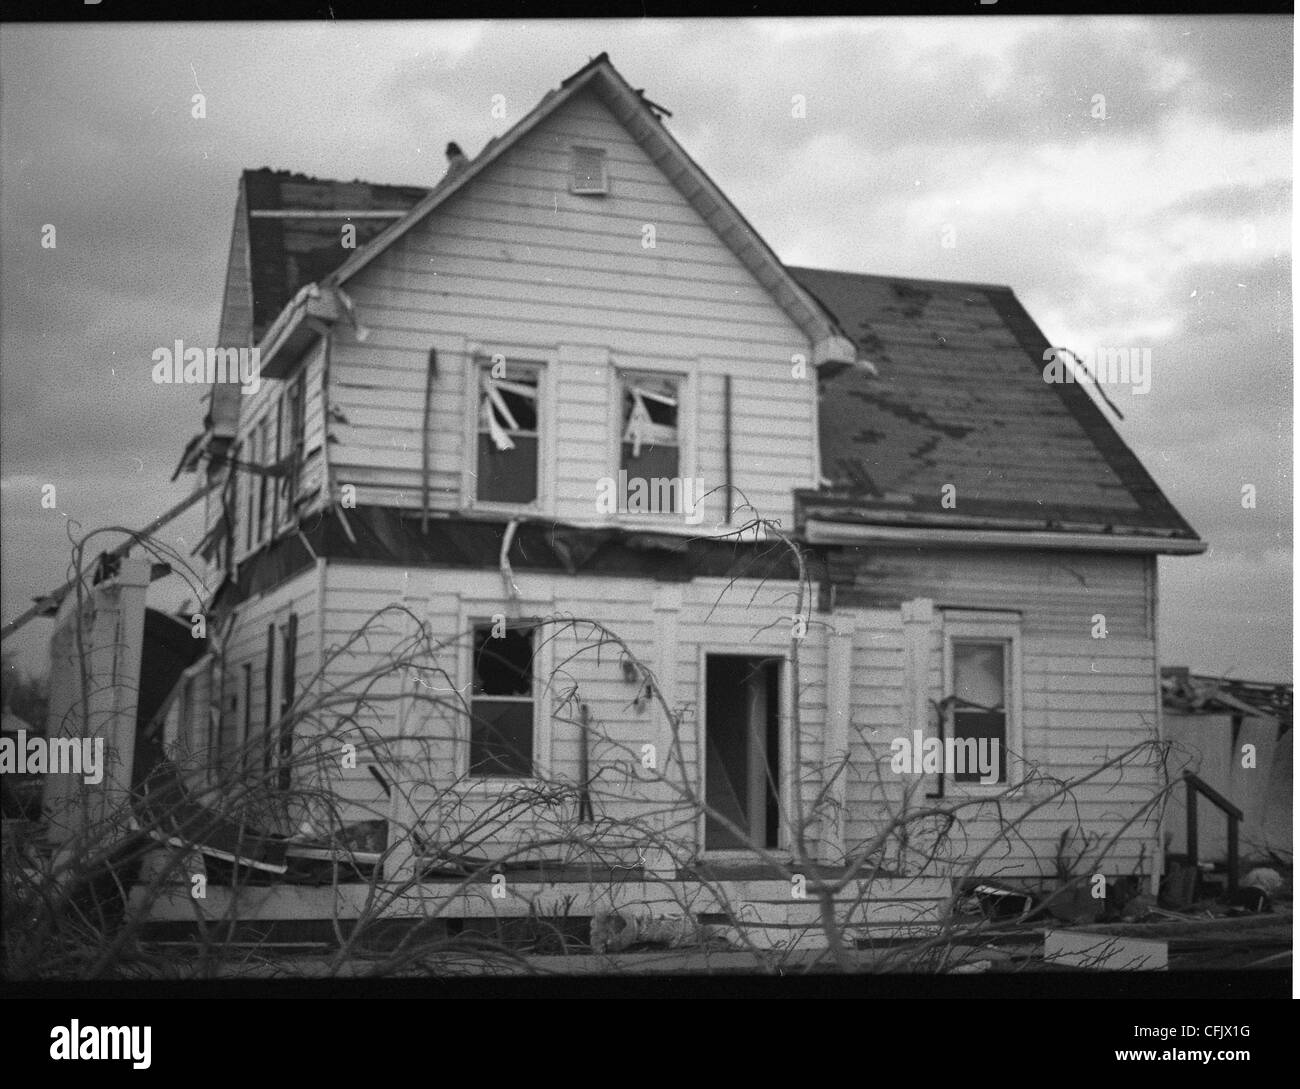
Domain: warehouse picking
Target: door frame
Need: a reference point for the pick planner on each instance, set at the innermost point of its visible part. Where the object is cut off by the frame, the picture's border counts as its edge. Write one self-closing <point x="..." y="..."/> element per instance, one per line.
<point x="784" y="742"/>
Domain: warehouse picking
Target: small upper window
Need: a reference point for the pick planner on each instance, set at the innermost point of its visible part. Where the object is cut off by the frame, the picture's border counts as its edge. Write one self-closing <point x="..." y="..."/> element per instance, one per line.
<point x="588" y="175"/>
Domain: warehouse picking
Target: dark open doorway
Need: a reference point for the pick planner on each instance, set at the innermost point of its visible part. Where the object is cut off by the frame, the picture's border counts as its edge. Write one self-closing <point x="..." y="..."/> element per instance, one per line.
<point x="742" y="718"/>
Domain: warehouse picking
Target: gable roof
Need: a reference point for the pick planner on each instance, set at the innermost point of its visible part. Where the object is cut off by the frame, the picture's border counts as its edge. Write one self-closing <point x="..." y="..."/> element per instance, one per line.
<point x="960" y="399"/>
<point x="643" y="122"/>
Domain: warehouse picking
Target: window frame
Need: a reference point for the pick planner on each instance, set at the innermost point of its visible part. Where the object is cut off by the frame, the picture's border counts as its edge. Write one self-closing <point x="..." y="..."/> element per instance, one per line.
<point x="246" y="454"/>
<point x="543" y="364"/>
<point x="274" y="484"/>
<point x="294" y="425"/>
<point x="284" y="737"/>
<point x="532" y="699"/>
<point x="245" y="761"/>
<point x="264" y="461"/>
<point x="270" y="700"/>
<point x="629" y="379"/>
<point x="532" y="610"/>
<point x="215" y="681"/>
<point x="685" y="374"/>
<point x="1004" y="629"/>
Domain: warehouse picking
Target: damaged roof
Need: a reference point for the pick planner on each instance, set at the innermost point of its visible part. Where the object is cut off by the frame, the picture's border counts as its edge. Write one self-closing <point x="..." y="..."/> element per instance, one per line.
<point x="1192" y="693"/>
<point x="958" y="398"/>
<point x="295" y="226"/>
<point x="288" y="232"/>
<point x="954" y="394"/>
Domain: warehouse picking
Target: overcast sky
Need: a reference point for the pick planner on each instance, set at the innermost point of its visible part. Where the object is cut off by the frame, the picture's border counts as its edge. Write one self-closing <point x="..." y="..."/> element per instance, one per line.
<point x="1164" y="223"/>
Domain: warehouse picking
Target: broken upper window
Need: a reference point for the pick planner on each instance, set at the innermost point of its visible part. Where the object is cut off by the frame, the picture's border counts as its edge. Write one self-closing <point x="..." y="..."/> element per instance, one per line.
<point x="979" y="713"/>
<point x="508" y="433"/>
<point x="501" y="701"/>
<point x="650" y="412"/>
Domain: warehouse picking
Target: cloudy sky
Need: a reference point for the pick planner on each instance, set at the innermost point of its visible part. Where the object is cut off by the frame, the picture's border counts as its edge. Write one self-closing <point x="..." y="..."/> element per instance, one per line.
<point x="1157" y="214"/>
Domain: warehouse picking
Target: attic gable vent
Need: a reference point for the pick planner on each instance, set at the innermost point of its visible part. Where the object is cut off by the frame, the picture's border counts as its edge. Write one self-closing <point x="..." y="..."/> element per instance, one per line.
<point x="588" y="173"/>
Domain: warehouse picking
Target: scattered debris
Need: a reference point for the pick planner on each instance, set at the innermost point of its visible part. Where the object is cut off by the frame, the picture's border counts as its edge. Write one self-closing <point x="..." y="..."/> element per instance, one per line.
<point x="1265" y="879"/>
<point x="1106" y="952"/>
<point x="996" y="901"/>
<point x="1249" y="899"/>
<point x="1142" y="906"/>
<point x="1075" y="904"/>
<point x="615" y="932"/>
<point x="1178" y="889"/>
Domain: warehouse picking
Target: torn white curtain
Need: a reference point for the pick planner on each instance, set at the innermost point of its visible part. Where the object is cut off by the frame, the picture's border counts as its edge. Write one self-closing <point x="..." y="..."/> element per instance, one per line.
<point x="494" y="411"/>
<point x="640" y="427"/>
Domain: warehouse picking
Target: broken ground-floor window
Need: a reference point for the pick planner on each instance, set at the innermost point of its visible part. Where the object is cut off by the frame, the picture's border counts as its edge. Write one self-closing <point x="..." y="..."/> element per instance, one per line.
<point x="509" y="433"/>
<point x="979" y="706"/>
<point x="650" y="443"/>
<point x="502" y="705"/>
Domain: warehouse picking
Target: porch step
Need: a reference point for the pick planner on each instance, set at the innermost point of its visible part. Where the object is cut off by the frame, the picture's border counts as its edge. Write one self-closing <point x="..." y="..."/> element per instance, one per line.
<point x="765" y="910"/>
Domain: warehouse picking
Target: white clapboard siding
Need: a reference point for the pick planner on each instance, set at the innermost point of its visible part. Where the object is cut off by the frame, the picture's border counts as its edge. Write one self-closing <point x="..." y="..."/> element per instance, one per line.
<point x="262" y="405"/>
<point x="1059" y="593"/>
<point x="1085" y="701"/>
<point x="516" y="264"/>
<point x="246" y="644"/>
<point x="668" y="628"/>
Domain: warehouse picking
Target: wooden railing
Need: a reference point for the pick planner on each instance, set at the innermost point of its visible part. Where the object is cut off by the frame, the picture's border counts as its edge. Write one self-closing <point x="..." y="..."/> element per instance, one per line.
<point x="1197" y="786"/>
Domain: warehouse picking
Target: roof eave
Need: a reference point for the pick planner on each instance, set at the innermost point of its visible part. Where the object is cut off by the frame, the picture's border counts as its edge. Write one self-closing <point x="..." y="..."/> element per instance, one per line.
<point x="819" y="531"/>
<point x="294" y="328"/>
<point x="834" y="348"/>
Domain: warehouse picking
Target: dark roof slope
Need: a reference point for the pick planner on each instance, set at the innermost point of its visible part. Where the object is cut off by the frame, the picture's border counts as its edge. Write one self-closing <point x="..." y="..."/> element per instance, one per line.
<point x="273" y="255"/>
<point x="287" y="252"/>
<point x="960" y="399"/>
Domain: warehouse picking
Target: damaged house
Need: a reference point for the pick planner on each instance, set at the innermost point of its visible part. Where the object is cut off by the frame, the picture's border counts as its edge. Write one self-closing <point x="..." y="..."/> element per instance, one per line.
<point x="564" y="383"/>
<point x="1235" y="737"/>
